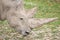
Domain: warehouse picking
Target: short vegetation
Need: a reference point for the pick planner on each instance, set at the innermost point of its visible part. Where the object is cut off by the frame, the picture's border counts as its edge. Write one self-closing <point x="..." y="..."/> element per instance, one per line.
<point x="50" y="31"/>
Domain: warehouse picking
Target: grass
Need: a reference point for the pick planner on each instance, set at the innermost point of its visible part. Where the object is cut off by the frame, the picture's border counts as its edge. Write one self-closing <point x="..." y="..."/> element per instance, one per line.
<point x="46" y="9"/>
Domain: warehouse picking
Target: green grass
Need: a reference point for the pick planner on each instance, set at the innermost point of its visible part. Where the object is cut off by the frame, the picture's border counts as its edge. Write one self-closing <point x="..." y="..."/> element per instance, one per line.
<point x="46" y="9"/>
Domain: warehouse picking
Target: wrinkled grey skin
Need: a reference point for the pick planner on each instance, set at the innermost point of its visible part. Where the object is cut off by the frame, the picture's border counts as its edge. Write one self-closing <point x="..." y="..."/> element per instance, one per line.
<point x="12" y="11"/>
<point x="21" y="20"/>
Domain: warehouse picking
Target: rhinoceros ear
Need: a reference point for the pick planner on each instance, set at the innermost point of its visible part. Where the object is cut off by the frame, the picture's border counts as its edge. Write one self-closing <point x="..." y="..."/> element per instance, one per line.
<point x="38" y="22"/>
<point x="31" y="12"/>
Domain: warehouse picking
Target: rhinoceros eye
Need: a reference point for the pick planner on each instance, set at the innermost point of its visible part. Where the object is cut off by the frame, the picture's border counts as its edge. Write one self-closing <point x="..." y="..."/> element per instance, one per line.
<point x="21" y="18"/>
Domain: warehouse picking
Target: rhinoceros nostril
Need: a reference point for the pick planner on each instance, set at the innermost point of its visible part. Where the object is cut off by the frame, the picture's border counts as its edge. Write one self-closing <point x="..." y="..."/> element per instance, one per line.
<point x="27" y="33"/>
